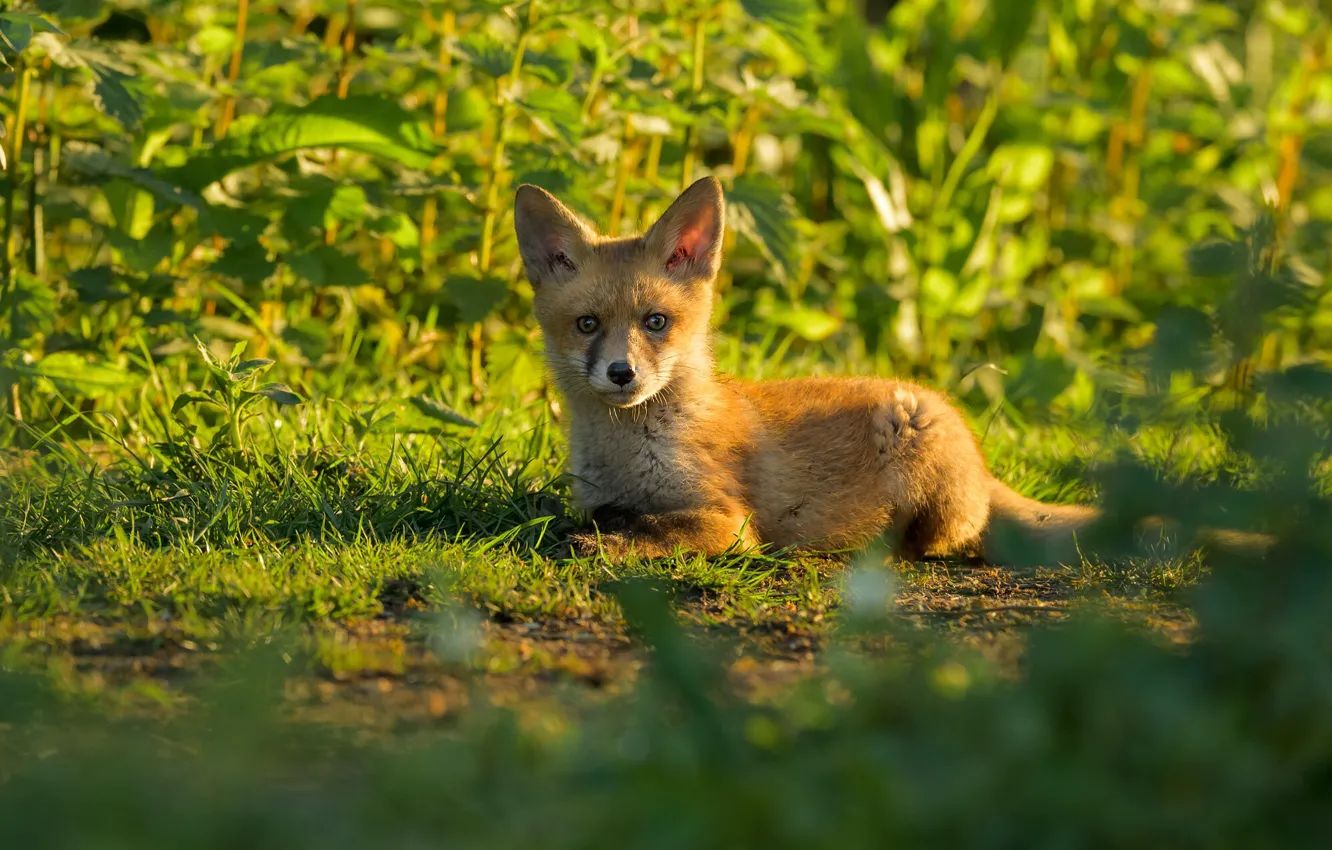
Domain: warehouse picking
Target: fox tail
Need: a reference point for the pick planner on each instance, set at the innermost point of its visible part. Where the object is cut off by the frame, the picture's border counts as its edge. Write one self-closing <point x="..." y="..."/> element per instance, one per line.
<point x="1023" y="530"/>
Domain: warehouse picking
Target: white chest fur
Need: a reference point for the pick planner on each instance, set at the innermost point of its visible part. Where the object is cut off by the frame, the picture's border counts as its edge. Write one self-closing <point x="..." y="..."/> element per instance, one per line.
<point x="634" y="459"/>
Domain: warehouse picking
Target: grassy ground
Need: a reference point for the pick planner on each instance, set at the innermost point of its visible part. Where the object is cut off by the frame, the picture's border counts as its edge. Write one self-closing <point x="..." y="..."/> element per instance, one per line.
<point x="409" y="568"/>
<point x="354" y="636"/>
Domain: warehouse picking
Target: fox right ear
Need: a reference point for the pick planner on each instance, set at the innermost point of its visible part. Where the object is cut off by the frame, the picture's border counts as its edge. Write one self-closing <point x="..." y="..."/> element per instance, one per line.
<point x="687" y="239"/>
<point x="551" y="239"/>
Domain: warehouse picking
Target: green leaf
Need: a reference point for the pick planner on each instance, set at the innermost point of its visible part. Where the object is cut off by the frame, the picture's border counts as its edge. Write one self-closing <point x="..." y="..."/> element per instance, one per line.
<point x="938" y="288"/>
<point x="17" y="28"/>
<point x="143" y="255"/>
<point x="1182" y="342"/>
<point x="309" y="267"/>
<point x="971" y="296"/>
<point x="36" y="22"/>
<point x="1021" y="167"/>
<point x="761" y="211"/>
<point x="99" y="167"/>
<point x="96" y="285"/>
<point x="231" y="224"/>
<point x="794" y="20"/>
<point x="368" y="123"/>
<point x="312" y="337"/>
<point x="1216" y="259"/>
<point x="247" y="261"/>
<point x="1300" y="383"/>
<point x="248" y="369"/>
<point x="782" y="15"/>
<point x="31" y="307"/>
<point x="211" y="362"/>
<point x="14" y="35"/>
<point x="225" y="328"/>
<point x="347" y="205"/>
<point x="280" y="393"/>
<point x="193" y="397"/>
<point x="72" y="10"/>
<point x="475" y="297"/>
<point x="485" y="54"/>
<point x="1039" y="380"/>
<point x="809" y="324"/>
<point x="108" y="71"/>
<point x="467" y="110"/>
<point x="306" y="215"/>
<point x="111" y="96"/>
<point x="556" y="111"/>
<point x="549" y="67"/>
<point x="213" y="40"/>
<point x="73" y="372"/>
<point x="438" y="411"/>
<point x="326" y="266"/>
<point x="399" y="228"/>
<point x="1113" y="307"/>
<point x="1012" y="22"/>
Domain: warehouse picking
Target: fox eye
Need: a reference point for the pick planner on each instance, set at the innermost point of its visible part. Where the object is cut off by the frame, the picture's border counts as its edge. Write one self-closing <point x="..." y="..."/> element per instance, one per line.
<point x="587" y="324"/>
<point x="656" y="322"/>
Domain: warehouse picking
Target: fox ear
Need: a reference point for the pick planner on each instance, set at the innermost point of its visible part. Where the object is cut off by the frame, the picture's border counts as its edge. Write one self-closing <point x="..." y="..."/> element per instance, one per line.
<point x="552" y="240"/>
<point x="687" y="238"/>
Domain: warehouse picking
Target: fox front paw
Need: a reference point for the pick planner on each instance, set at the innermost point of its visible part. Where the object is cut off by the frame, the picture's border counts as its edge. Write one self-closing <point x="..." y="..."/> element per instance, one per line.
<point x="587" y="543"/>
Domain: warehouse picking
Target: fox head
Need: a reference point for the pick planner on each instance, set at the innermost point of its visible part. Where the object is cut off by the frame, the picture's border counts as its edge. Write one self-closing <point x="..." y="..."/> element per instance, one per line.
<point x="623" y="318"/>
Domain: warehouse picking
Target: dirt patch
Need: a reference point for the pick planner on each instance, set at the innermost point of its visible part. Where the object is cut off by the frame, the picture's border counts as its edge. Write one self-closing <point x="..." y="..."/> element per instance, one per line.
<point x="403" y="669"/>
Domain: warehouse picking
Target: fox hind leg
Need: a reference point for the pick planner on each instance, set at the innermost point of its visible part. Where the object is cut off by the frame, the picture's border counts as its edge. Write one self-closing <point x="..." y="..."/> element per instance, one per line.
<point x="940" y="476"/>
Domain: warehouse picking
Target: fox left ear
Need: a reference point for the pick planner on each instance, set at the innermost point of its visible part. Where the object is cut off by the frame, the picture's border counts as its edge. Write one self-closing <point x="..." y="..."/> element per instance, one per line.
<point x="687" y="238"/>
<point x="552" y="240"/>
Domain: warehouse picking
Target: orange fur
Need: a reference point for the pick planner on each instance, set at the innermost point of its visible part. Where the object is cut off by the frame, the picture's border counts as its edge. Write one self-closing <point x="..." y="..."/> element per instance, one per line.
<point x="680" y="457"/>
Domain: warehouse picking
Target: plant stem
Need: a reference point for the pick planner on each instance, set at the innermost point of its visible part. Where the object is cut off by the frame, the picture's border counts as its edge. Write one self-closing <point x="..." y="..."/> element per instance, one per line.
<point x="744" y="137"/>
<point x="236" y="430"/>
<point x="334" y="32"/>
<point x="16" y="133"/>
<point x="36" y="224"/>
<point x="36" y="216"/>
<point x="627" y="151"/>
<point x="344" y="82"/>
<point x="53" y="168"/>
<point x="1292" y="144"/>
<point x="304" y="16"/>
<point x="1133" y="138"/>
<point x="431" y="212"/>
<point x="970" y="148"/>
<point x="233" y="73"/>
<point x="653" y="159"/>
<point x="695" y="86"/>
<point x="952" y="177"/>
<point x="502" y="96"/>
<point x="446" y="27"/>
<point x="345" y="72"/>
<point x="593" y="89"/>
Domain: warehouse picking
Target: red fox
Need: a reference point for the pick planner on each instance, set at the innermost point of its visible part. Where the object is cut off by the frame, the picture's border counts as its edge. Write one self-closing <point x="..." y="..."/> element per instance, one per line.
<point x="667" y="454"/>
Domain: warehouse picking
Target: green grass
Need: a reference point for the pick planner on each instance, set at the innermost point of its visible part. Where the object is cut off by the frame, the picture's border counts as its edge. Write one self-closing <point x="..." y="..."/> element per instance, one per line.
<point x="134" y="543"/>
<point x="323" y="601"/>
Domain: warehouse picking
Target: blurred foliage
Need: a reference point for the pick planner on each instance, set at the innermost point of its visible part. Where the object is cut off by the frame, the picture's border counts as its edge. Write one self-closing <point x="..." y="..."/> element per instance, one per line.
<point x="939" y="184"/>
<point x="1109" y="739"/>
<point x="1059" y="209"/>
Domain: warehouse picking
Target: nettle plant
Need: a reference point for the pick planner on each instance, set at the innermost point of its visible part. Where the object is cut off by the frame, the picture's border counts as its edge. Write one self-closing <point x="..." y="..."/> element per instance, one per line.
<point x="236" y="390"/>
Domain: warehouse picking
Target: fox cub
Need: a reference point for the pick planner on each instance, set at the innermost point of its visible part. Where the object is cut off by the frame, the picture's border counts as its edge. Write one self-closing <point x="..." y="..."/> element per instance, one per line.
<point x="667" y="454"/>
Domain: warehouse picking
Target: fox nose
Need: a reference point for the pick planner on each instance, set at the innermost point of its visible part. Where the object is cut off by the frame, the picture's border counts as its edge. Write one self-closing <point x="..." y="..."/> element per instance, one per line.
<point x="620" y="373"/>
